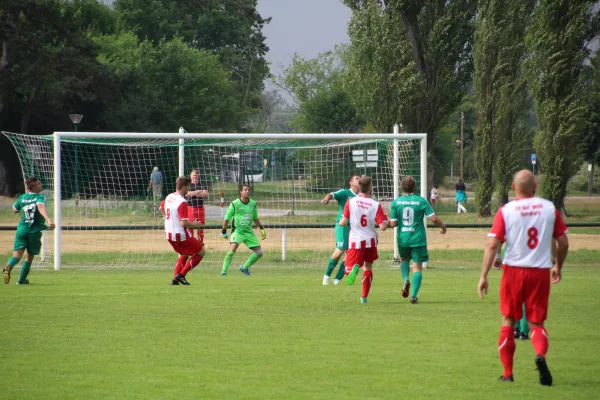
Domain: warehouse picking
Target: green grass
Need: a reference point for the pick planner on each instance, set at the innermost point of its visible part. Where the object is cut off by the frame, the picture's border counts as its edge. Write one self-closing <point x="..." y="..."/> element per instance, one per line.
<point x="124" y="333"/>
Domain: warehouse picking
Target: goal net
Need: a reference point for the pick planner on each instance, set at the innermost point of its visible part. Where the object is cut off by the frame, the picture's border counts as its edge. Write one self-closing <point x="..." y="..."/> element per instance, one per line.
<point x="108" y="215"/>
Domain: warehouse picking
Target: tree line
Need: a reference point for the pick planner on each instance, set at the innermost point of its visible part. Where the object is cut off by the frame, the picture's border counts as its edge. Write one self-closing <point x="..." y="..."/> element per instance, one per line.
<point x="139" y="66"/>
<point x="520" y="71"/>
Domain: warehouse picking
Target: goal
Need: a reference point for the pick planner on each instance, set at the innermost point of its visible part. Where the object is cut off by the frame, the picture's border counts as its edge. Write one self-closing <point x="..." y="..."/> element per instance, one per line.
<point x="97" y="187"/>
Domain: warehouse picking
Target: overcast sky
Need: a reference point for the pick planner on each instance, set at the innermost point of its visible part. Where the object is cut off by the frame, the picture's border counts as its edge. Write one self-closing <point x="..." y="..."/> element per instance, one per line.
<point x="306" y="27"/>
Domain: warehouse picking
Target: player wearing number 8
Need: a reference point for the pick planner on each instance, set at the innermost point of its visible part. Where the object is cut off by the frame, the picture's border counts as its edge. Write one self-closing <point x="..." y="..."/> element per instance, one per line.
<point x="32" y="206"/>
<point x="408" y="213"/>
<point x="528" y="225"/>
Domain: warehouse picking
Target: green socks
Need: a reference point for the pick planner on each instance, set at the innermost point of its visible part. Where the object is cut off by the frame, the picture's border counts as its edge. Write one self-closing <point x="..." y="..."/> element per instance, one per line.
<point x="416" y="283"/>
<point x="227" y="261"/>
<point x="523" y="326"/>
<point x="341" y="272"/>
<point x="405" y="269"/>
<point x="25" y="267"/>
<point x="12" y="262"/>
<point x="330" y="266"/>
<point x="251" y="260"/>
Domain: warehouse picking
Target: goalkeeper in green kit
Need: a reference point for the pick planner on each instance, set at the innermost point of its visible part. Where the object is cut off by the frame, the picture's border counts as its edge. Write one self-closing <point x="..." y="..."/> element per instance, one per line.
<point x="244" y="212"/>
<point x="32" y="206"/>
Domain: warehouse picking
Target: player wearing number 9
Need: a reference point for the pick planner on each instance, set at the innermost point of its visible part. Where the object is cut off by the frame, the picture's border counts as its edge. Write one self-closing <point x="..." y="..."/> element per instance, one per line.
<point x="528" y="225"/>
<point x="32" y="206"/>
<point x="408" y="213"/>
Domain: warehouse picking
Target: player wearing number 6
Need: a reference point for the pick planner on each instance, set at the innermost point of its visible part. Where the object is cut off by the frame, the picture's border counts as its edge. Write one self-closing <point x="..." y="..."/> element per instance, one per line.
<point x="408" y="213"/>
<point x="527" y="225"/>
<point x="32" y="206"/>
<point x="361" y="213"/>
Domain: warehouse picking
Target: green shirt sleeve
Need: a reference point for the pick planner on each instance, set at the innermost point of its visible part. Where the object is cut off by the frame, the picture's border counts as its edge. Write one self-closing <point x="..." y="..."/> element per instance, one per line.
<point x="393" y="212"/>
<point x="340" y="195"/>
<point x="428" y="210"/>
<point x="255" y="212"/>
<point x="41" y="199"/>
<point x="17" y="205"/>
<point x="230" y="211"/>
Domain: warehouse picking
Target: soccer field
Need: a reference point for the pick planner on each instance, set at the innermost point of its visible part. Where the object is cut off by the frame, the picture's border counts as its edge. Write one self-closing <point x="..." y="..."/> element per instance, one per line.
<point x="125" y="333"/>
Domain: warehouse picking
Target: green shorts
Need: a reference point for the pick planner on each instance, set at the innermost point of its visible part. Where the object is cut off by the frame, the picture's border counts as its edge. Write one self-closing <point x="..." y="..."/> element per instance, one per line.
<point x="32" y="242"/>
<point x="417" y="254"/>
<point x="249" y="239"/>
<point x="341" y="236"/>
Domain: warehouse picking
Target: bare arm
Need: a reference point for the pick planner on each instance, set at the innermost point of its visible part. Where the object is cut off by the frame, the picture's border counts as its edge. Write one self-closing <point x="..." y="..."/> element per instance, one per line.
<point x="257" y="223"/>
<point x="225" y="223"/>
<point x="44" y="212"/>
<point x="15" y="211"/>
<point x="328" y="197"/>
<point x="344" y="221"/>
<point x="394" y="223"/>
<point x="384" y="225"/>
<point x="439" y="223"/>
<point x="491" y="249"/>
<point x="562" y="248"/>
<point x="198" y="193"/>
<point x="191" y="225"/>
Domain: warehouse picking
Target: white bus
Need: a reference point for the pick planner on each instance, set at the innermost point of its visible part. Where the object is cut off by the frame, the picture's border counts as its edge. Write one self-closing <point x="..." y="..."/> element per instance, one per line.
<point x="248" y="168"/>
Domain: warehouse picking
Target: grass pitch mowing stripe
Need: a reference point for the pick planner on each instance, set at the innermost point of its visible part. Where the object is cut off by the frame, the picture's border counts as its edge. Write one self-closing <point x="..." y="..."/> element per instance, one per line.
<point x="123" y="333"/>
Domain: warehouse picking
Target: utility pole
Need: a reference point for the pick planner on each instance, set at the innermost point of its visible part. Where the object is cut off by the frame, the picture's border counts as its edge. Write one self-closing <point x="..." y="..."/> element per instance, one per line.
<point x="462" y="143"/>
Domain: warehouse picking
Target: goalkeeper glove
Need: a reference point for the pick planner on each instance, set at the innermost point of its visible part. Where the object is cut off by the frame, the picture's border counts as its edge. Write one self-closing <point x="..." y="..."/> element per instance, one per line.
<point x="224" y="233"/>
<point x="263" y="234"/>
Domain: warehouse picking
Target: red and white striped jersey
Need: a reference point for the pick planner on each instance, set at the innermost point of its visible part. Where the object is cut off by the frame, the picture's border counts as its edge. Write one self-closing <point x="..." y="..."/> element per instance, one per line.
<point x="528" y="226"/>
<point x="363" y="213"/>
<point x="176" y="210"/>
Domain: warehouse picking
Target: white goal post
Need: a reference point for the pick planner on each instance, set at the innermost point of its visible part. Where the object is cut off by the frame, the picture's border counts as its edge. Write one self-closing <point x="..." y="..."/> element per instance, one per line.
<point x="106" y="216"/>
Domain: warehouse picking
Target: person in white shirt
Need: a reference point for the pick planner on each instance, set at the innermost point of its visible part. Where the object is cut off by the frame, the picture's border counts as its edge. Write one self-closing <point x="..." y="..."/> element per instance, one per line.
<point x="528" y="225"/>
<point x="178" y="230"/>
<point x="435" y="195"/>
<point x="362" y="212"/>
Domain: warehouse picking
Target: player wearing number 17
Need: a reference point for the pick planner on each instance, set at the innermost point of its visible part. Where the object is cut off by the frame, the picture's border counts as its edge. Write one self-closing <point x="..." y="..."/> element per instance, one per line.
<point x="411" y="209"/>
<point x="528" y="225"/>
<point x="32" y="206"/>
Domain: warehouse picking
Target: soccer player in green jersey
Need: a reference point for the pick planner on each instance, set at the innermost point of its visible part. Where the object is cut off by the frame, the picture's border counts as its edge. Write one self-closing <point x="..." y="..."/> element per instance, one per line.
<point x="408" y="213"/>
<point x="341" y="232"/>
<point x="244" y="212"/>
<point x="32" y="206"/>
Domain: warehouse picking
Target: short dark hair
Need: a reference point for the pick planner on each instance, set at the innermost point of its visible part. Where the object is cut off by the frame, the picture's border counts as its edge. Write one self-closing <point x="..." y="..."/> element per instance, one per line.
<point x="352" y="177"/>
<point x="408" y="184"/>
<point x="30" y="183"/>
<point x="182" y="182"/>
<point x="435" y="186"/>
<point x="241" y="187"/>
<point x="364" y="184"/>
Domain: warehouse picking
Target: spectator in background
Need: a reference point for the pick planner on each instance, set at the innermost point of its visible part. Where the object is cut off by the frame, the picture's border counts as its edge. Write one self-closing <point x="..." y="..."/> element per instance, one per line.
<point x="156" y="184"/>
<point x="461" y="196"/>
<point x="435" y="194"/>
<point x="195" y="199"/>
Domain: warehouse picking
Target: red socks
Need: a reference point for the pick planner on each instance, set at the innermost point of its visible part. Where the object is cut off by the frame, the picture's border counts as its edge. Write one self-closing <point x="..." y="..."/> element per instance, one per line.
<point x="180" y="263"/>
<point x="366" y="282"/>
<point x="506" y="348"/>
<point x="191" y="264"/>
<point x="539" y="340"/>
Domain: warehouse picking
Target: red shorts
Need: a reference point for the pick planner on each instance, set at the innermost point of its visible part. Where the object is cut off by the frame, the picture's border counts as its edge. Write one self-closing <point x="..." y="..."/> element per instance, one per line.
<point x="525" y="285"/>
<point x="196" y="214"/>
<point x="360" y="256"/>
<point x="188" y="247"/>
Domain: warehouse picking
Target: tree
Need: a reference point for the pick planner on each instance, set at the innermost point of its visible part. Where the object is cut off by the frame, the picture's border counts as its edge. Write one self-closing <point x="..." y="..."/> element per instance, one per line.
<point x="167" y="86"/>
<point x="232" y="29"/>
<point x="590" y="140"/>
<point x="439" y="35"/>
<point x="329" y="111"/>
<point x="557" y="40"/>
<point x="501" y="96"/>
